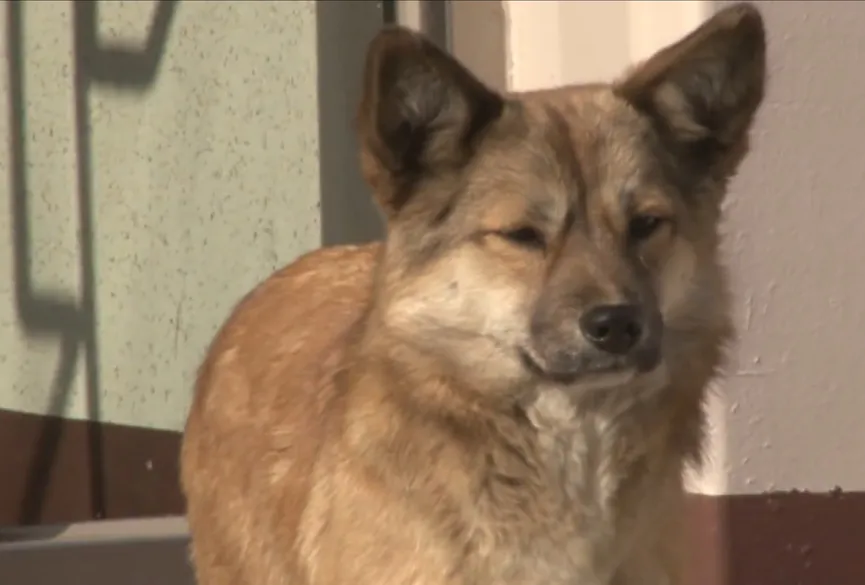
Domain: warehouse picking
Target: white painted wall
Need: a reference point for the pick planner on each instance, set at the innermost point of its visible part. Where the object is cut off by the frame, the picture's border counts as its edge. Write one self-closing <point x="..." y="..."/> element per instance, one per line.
<point x="796" y="239"/>
<point x="564" y="42"/>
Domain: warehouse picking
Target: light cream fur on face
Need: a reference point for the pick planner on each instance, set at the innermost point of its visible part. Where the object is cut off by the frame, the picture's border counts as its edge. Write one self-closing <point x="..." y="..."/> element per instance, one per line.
<point x="487" y="323"/>
<point x="474" y="317"/>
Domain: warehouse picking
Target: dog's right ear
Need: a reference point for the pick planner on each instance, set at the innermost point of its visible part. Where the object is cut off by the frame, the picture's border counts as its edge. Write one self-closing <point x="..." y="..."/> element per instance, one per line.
<point x="421" y="112"/>
<point x="704" y="91"/>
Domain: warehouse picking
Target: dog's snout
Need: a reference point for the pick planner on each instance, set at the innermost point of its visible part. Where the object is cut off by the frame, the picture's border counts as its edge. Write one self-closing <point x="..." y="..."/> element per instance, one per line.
<point x="615" y="329"/>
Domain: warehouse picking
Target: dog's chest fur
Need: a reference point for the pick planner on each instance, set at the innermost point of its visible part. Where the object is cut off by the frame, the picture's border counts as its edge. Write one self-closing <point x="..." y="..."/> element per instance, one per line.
<point x="572" y="524"/>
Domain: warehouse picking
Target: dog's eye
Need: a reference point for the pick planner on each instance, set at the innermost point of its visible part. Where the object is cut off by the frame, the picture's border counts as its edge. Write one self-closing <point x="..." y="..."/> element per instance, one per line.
<point x="525" y="236"/>
<point x="642" y="227"/>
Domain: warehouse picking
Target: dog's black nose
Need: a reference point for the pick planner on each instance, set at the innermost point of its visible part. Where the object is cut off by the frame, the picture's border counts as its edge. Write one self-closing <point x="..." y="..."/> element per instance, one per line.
<point x="614" y="329"/>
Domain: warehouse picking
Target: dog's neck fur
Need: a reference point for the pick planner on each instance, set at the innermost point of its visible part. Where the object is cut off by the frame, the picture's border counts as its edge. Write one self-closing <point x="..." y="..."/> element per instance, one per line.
<point x="594" y="452"/>
<point x="592" y="455"/>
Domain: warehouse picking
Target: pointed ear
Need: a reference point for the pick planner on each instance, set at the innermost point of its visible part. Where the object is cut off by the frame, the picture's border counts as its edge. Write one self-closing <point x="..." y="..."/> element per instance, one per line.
<point x="421" y="112"/>
<point x="702" y="92"/>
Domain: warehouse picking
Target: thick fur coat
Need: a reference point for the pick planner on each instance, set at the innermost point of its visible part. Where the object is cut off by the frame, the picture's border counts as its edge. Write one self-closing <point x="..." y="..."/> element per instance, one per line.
<point x="507" y="390"/>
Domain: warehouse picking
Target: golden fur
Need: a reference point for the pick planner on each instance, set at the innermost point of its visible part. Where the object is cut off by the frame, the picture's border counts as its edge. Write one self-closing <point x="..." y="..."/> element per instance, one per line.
<point x="440" y="409"/>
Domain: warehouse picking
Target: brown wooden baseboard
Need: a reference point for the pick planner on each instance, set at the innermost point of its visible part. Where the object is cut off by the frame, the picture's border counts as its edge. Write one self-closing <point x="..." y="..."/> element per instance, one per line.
<point x="47" y="465"/>
<point x="57" y="470"/>
<point x="778" y="538"/>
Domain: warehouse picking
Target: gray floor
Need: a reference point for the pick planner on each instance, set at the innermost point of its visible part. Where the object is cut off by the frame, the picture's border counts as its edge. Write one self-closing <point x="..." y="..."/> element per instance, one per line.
<point x="129" y="552"/>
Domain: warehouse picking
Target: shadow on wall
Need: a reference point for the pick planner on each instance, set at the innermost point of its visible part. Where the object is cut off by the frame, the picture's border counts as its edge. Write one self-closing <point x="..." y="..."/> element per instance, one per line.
<point x="54" y="314"/>
<point x="348" y="214"/>
<point x="68" y="318"/>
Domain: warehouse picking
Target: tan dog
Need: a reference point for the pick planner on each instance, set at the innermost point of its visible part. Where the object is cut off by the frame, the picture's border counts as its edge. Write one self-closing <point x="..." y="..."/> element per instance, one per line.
<point x="507" y="390"/>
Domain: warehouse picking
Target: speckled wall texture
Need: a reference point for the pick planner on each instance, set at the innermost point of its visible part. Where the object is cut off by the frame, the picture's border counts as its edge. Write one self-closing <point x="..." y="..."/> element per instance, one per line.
<point x="202" y="184"/>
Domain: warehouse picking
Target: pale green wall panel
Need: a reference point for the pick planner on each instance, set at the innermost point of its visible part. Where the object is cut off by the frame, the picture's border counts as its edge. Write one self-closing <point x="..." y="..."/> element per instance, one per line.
<point x="202" y="184"/>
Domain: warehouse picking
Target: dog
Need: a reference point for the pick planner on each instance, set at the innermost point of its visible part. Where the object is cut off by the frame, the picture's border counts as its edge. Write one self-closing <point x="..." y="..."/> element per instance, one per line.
<point x="507" y="389"/>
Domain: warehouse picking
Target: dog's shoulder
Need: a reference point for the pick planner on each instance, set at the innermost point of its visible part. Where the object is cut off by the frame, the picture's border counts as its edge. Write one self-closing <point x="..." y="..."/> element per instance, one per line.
<point x="279" y="337"/>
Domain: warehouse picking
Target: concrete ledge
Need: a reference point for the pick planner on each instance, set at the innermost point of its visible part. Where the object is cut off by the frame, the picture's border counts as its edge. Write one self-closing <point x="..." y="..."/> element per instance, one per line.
<point x="169" y="527"/>
<point x="119" y="552"/>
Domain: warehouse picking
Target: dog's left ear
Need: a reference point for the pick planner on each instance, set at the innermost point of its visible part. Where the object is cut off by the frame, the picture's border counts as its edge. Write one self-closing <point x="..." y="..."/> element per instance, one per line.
<point x="702" y="92"/>
<point x="422" y="113"/>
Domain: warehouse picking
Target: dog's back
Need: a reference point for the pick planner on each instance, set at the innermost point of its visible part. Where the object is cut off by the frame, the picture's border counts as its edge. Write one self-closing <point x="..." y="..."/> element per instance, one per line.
<point x="262" y="400"/>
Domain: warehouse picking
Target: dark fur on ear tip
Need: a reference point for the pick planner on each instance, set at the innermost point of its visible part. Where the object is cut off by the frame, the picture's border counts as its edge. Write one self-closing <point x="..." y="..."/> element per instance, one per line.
<point x="703" y="92"/>
<point x="735" y="34"/>
<point x="742" y="16"/>
<point x="421" y="111"/>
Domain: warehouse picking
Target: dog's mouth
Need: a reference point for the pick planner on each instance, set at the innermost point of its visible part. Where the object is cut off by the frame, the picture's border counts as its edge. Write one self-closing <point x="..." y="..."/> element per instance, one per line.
<point x="593" y="371"/>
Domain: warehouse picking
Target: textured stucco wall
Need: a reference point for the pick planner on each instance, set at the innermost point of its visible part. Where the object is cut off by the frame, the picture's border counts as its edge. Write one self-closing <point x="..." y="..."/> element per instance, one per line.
<point x="202" y="185"/>
<point x="795" y="407"/>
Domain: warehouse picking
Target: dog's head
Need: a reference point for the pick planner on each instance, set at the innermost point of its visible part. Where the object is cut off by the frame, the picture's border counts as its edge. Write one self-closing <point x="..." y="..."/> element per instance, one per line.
<point x="570" y="235"/>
